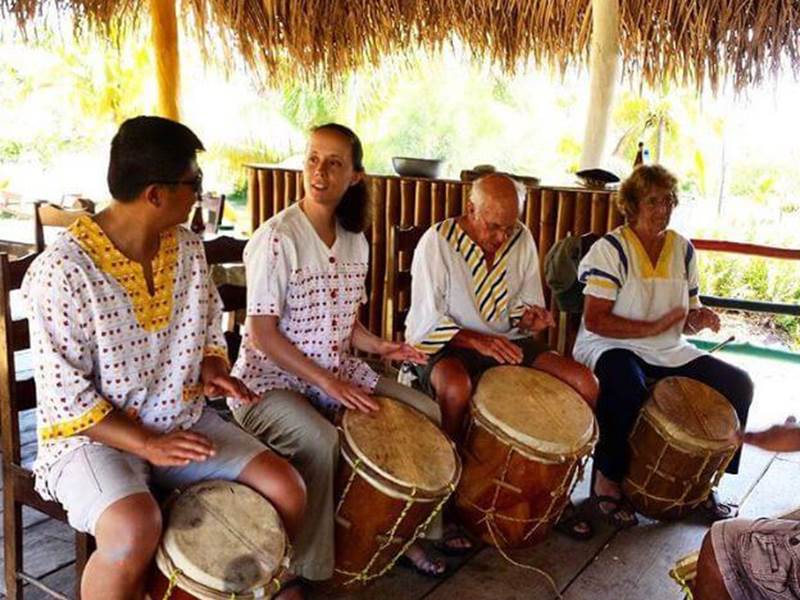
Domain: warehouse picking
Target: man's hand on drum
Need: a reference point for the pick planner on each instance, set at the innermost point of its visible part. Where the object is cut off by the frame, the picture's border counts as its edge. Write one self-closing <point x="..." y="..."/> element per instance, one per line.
<point x="217" y="381"/>
<point x="402" y="352"/>
<point x="176" y="448"/>
<point x="535" y="319"/>
<point x="496" y="347"/>
<point x="701" y="318"/>
<point x="349" y="395"/>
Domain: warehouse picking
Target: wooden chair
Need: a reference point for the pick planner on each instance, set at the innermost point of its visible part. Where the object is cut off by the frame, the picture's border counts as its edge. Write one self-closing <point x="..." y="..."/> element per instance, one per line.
<point x="226" y="250"/>
<point x="46" y="214"/>
<point x="17" y="394"/>
<point x="402" y="242"/>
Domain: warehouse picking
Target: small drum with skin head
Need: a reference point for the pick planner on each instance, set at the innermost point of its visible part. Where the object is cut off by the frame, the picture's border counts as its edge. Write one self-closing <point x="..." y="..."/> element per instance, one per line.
<point x="221" y="540"/>
<point x="396" y="471"/>
<point x="528" y="440"/>
<point x="681" y="444"/>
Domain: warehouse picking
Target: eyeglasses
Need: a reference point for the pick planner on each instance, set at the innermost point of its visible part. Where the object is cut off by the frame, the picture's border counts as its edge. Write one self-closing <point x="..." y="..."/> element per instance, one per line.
<point x="196" y="183"/>
<point x="667" y="201"/>
<point x="493" y="228"/>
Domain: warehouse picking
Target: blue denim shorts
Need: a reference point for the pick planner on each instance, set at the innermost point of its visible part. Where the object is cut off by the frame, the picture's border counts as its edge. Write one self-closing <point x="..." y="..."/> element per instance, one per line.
<point x="759" y="560"/>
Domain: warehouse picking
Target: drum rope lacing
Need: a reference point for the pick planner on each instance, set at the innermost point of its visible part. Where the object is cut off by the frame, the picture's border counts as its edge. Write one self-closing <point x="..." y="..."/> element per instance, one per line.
<point x="490" y="515"/>
<point x="688" y="483"/>
<point x="364" y="575"/>
<point x="176" y="572"/>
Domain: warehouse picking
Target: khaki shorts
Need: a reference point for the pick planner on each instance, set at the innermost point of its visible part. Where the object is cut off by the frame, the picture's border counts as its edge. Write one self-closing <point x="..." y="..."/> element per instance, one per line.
<point x="759" y="560"/>
<point x="91" y="478"/>
<point x="474" y="362"/>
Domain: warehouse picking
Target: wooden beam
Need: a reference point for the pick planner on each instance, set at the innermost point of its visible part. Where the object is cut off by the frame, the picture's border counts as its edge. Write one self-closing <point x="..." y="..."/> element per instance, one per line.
<point x="164" y="36"/>
<point x="603" y="70"/>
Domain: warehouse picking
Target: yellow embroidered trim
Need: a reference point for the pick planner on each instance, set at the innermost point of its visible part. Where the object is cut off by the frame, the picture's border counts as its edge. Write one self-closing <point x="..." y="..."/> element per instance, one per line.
<point x="438" y="338"/>
<point x="603" y="283"/>
<point x="192" y="392"/>
<point x="490" y="287"/>
<point x="152" y="312"/>
<point x="64" y="429"/>
<point x="218" y="351"/>
<point x="662" y="266"/>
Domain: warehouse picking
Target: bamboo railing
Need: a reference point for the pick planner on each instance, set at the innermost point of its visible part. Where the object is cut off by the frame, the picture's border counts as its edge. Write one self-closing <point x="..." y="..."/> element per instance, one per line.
<point x="550" y="213"/>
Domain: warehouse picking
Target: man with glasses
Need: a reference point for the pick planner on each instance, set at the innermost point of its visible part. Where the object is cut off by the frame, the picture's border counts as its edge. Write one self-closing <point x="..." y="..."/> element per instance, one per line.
<point x="126" y="331"/>
<point x="476" y="301"/>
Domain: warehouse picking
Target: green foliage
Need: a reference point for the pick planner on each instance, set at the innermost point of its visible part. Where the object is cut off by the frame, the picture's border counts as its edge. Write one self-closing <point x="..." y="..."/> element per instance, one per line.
<point x="754" y="278"/>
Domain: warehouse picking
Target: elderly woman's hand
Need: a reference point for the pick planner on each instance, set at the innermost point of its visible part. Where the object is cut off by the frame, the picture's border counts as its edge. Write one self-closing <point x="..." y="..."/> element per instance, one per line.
<point x="669" y="320"/>
<point x="702" y="318"/>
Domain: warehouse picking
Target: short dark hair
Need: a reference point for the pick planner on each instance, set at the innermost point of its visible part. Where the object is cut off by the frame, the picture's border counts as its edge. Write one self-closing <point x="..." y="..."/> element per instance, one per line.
<point x="149" y="149"/>
<point x="353" y="209"/>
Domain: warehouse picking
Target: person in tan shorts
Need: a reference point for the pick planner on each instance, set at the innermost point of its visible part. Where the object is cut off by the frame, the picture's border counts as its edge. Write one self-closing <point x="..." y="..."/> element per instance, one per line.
<point x="744" y="559"/>
<point x="126" y="332"/>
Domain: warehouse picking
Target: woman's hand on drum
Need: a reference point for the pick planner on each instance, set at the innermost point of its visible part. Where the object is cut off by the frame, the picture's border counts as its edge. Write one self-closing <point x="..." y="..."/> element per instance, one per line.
<point x="535" y="319"/>
<point x="402" y="352"/>
<point x="349" y="395"/>
<point x="177" y="448"/>
<point x="702" y="318"/>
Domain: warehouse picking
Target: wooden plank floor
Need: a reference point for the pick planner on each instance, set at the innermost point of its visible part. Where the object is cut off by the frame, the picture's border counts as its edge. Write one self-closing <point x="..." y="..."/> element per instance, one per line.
<point x="628" y="565"/>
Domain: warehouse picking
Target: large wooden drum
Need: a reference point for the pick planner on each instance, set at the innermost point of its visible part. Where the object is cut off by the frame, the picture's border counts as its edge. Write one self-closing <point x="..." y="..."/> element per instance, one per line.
<point x="680" y="446"/>
<point x="529" y="437"/>
<point x="222" y="540"/>
<point x="396" y="471"/>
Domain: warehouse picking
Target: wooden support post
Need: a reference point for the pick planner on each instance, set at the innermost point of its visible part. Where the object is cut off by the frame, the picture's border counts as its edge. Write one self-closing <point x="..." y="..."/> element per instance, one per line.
<point x="164" y="35"/>
<point x="603" y="69"/>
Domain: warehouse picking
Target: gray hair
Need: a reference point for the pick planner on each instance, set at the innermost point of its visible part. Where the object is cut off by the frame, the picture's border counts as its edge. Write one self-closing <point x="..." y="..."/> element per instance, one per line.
<point x="477" y="197"/>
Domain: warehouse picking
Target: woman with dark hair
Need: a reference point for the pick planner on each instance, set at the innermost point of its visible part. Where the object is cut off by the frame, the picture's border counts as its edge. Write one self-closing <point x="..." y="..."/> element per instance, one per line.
<point x="642" y="295"/>
<point x="306" y="271"/>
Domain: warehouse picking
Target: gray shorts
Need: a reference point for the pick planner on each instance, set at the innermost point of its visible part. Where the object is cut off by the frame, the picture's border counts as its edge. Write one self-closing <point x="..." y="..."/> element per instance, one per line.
<point x="91" y="478"/>
<point x="759" y="560"/>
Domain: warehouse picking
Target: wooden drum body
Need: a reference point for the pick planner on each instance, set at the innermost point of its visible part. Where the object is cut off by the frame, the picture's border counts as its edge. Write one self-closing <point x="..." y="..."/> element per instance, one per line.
<point x="529" y="438"/>
<point x="221" y="540"/>
<point x="680" y="446"/>
<point x="396" y="471"/>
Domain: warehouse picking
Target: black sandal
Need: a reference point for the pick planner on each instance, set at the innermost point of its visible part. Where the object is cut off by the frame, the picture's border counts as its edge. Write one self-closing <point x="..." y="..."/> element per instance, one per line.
<point x="715" y="509"/>
<point x="431" y="572"/>
<point x="453" y="532"/>
<point x="614" y="517"/>
<point x="569" y="522"/>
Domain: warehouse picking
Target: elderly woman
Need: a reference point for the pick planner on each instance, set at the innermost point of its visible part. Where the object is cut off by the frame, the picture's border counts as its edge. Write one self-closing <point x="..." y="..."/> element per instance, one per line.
<point x="641" y="295"/>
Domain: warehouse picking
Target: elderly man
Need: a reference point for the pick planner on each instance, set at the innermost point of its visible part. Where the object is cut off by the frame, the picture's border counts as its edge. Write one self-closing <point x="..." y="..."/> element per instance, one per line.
<point x="476" y="300"/>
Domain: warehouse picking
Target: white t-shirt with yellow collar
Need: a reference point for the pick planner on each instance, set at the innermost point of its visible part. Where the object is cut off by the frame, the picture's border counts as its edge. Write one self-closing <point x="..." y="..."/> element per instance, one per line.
<point x="618" y="268"/>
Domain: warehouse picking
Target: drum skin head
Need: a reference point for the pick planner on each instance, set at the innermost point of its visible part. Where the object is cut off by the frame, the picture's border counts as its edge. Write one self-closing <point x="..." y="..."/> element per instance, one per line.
<point x="402" y="445"/>
<point x="693" y="413"/>
<point x="224" y="536"/>
<point x="535" y="409"/>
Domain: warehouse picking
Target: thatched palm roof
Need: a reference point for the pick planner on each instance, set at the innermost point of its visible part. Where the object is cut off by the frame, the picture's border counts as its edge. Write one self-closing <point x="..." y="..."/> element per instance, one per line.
<point x="683" y="40"/>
